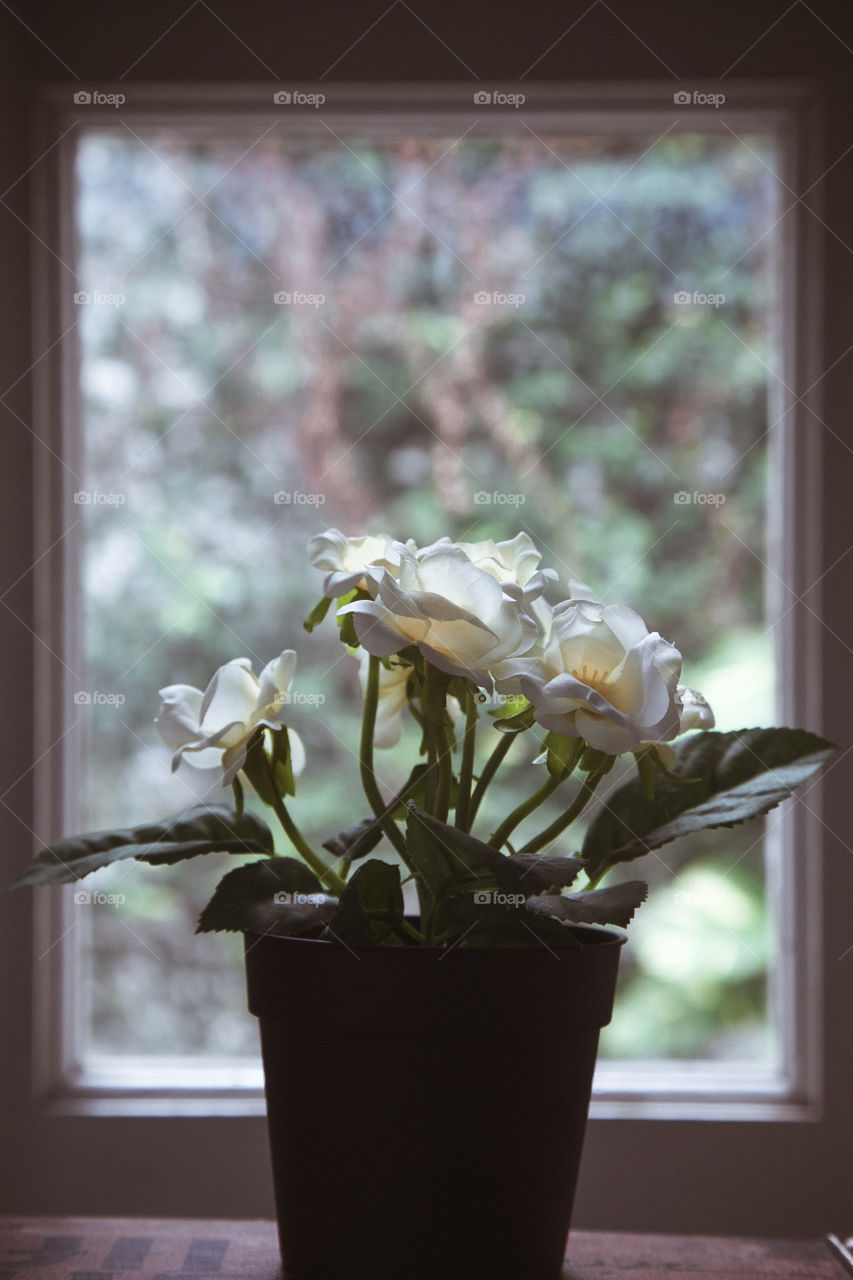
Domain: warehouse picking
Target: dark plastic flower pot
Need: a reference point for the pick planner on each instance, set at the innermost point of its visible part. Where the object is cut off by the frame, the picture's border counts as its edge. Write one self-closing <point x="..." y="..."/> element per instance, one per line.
<point x="426" y="1108"/>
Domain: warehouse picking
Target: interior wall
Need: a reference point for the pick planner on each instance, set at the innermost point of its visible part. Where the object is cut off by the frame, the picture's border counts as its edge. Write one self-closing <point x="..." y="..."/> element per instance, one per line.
<point x="682" y="40"/>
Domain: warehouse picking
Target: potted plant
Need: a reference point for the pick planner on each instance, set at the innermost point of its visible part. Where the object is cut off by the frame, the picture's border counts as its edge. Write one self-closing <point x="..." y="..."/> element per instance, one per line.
<point x="430" y="994"/>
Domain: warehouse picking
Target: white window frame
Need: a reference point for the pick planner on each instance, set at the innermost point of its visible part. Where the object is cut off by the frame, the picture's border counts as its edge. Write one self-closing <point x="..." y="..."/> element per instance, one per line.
<point x="624" y="1095"/>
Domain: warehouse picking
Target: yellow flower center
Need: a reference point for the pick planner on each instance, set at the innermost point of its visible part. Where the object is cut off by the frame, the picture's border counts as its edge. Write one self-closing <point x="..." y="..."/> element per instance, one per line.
<point x="595" y="679"/>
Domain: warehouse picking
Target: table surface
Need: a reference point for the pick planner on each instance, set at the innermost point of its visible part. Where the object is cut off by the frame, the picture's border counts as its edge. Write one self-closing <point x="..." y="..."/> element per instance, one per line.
<point x="210" y="1249"/>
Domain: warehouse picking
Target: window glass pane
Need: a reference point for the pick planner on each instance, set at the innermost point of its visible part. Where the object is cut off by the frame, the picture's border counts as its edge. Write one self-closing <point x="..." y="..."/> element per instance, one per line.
<point x="565" y="333"/>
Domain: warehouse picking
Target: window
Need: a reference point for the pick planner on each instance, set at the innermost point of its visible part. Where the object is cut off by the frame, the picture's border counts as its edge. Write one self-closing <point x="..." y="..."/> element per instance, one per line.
<point x="568" y="403"/>
<point x="380" y="383"/>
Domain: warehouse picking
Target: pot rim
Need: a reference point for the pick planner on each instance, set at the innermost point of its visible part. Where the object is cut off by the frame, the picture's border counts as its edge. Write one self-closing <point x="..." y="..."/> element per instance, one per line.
<point x="586" y="934"/>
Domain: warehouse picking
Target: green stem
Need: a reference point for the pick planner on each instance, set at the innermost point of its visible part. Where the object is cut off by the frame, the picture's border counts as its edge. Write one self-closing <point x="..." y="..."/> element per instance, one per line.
<point x="368" y="777"/>
<point x="432" y="768"/>
<point x="445" y="773"/>
<point x="558" y="826"/>
<point x="439" y="743"/>
<point x="412" y="932"/>
<point x="343" y="869"/>
<point x="325" y="874"/>
<point x="490" y="768"/>
<point x="523" y="811"/>
<point x="427" y="919"/>
<point x="466" y="769"/>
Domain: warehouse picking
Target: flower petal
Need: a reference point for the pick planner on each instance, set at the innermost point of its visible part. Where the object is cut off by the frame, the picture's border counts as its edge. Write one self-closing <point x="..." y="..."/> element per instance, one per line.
<point x="274" y="682"/>
<point x="350" y="561"/>
<point x="180" y="711"/>
<point x="230" y="698"/>
<point x="695" y="711"/>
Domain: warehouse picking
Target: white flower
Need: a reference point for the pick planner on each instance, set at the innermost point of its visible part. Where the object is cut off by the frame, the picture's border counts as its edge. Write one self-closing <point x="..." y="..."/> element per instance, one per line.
<point x="695" y="711"/>
<point x="458" y="615"/>
<point x="352" y="562"/>
<point x="392" y="699"/>
<point x="214" y="727"/>
<point x="513" y="563"/>
<point x="602" y="677"/>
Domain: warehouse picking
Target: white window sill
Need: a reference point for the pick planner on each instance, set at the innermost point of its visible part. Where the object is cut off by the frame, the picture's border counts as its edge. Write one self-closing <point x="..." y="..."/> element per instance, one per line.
<point x="132" y="1086"/>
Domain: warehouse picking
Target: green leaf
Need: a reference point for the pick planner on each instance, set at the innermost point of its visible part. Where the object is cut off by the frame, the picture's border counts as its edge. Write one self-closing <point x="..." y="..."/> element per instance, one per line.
<point x="470" y="922"/>
<point x="737" y="776"/>
<point x="515" y="723"/>
<point x="454" y="861"/>
<point x="371" y="906"/>
<point x="646" y="768"/>
<point x="256" y="767"/>
<point x="204" y="829"/>
<point x="346" y="628"/>
<point x="282" y="762"/>
<point x="615" y="905"/>
<point x="594" y="761"/>
<point x="317" y="614"/>
<point x="562" y="754"/>
<point x="446" y="859"/>
<point x="356" y="841"/>
<point x="273" y="895"/>
<point x="515" y="704"/>
<point x="539" y="871"/>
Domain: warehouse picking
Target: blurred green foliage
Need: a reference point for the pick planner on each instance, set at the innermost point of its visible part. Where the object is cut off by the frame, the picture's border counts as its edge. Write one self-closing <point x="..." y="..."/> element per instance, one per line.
<point x="576" y="403"/>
